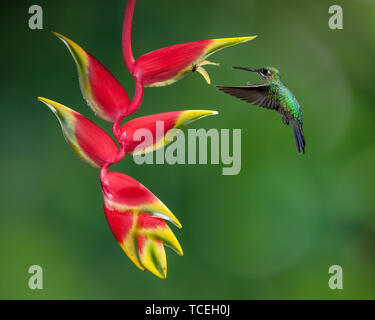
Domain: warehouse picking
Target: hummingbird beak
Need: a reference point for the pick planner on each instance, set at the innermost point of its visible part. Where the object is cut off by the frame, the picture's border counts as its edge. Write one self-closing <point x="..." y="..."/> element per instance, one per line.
<point x="246" y="69"/>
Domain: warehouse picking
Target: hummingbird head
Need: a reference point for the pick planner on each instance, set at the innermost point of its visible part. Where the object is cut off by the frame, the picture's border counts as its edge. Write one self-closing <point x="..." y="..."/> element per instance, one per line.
<point x="267" y="74"/>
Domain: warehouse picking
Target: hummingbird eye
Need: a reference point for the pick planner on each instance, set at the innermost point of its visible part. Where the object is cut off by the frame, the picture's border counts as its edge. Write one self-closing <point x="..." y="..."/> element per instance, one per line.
<point x="266" y="72"/>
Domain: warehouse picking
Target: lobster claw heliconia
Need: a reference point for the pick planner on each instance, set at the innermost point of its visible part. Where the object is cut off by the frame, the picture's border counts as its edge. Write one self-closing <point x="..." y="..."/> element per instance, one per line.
<point x="136" y="218"/>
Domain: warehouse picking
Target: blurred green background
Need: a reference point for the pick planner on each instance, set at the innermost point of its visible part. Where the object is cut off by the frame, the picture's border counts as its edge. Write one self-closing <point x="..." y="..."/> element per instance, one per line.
<point x="270" y="232"/>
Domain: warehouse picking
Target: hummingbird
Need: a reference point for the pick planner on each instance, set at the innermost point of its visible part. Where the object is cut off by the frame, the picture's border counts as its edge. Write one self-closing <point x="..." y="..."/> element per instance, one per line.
<point x="272" y="94"/>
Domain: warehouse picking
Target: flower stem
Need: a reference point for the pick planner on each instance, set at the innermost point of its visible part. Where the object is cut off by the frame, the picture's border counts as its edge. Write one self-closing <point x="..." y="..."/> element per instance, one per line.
<point x="103" y="175"/>
<point x="116" y="130"/>
<point x="126" y="35"/>
<point x="138" y="96"/>
<point x="104" y="169"/>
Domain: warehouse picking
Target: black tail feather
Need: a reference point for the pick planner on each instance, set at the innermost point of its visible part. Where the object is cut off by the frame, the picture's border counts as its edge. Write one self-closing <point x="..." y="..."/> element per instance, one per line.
<point x="299" y="138"/>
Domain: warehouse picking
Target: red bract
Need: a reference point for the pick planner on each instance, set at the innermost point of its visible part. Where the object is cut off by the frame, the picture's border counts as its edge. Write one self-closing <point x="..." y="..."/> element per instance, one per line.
<point x="168" y="65"/>
<point x="103" y="93"/>
<point x="160" y="126"/>
<point x="91" y="143"/>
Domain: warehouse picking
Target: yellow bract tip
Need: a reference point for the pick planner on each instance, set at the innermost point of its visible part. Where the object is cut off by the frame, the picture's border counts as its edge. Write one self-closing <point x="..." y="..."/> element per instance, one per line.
<point x="55" y="106"/>
<point x="61" y="37"/>
<point x="159" y="209"/>
<point x="153" y="258"/>
<point x="218" y="44"/>
<point x="189" y="116"/>
<point x="78" y="53"/>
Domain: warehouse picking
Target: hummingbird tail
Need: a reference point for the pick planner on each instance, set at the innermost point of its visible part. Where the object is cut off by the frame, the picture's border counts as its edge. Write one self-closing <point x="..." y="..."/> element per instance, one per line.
<point x="299" y="138"/>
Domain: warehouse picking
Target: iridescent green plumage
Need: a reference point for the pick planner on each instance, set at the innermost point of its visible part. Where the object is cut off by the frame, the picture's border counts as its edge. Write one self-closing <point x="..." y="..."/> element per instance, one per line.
<point x="272" y="94"/>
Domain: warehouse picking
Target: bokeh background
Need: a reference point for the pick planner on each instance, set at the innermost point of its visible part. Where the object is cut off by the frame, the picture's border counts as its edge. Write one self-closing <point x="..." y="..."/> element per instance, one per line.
<point x="270" y="232"/>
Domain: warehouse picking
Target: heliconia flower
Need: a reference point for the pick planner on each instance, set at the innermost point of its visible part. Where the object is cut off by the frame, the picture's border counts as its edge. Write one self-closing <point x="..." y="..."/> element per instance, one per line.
<point x="161" y="127"/>
<point x="91" y="143"/>
<point x="103" y="93"/>
<point x="135" y="217"/>
<point x="166" y="66"/>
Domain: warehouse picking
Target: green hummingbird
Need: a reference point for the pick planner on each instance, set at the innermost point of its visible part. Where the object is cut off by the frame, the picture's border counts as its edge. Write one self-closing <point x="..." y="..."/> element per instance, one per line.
<point x="272" y="94"/>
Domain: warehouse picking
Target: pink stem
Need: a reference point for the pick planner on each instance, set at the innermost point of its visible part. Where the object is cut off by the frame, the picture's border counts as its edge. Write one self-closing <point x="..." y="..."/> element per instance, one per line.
<point x="126" y="35"/>
<point x="138" y="95"/>
<point x="103" y="175"/>
<point x="117" y="134"/>
<point x="121" y="153"/>
<point x="133" y="106"/>
<point x="116" y="128"/>
<point x="104" y="169"/>
<point x="137" y="99"/>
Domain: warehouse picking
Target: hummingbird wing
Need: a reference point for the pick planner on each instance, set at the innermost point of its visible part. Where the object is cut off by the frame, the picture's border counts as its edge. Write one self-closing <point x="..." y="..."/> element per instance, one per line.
<point x="257" y="94"/>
